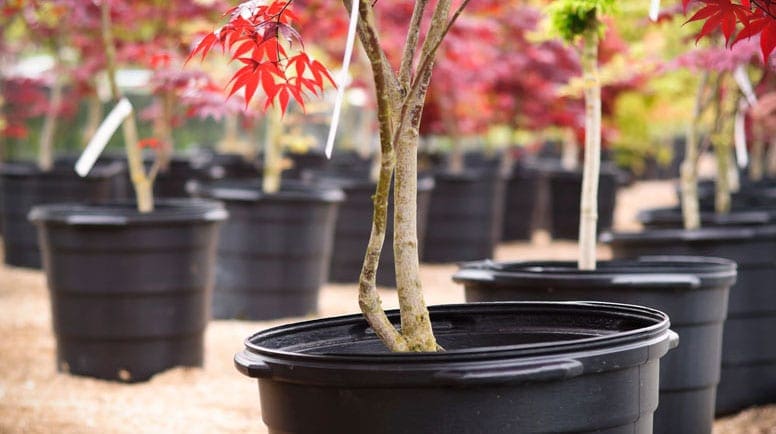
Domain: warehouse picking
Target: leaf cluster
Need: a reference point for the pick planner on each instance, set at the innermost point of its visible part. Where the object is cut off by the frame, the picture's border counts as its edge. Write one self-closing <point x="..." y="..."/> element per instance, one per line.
<point x="573" y="18"/>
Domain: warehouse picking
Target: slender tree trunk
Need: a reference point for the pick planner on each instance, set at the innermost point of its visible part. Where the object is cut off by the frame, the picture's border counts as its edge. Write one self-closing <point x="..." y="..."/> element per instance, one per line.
<point x="46" y="144"/>
<point x="771" y="157"/>
<point x="721" y="139"/>
<point x="164" y="130"/>
<point x="589" y="202"/>
<point x="229" y="142"/>
<point x="689" y="169"/>
<point x="757" y="156"/>
<point x="273" y="152"/>
<point x="142" y="183"/>
<point x="569" y="157"/>
<point x="94" y="114"/>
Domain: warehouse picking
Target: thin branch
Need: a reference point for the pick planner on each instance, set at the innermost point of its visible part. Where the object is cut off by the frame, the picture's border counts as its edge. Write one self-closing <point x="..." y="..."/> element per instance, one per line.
<point x="411" y="45"/>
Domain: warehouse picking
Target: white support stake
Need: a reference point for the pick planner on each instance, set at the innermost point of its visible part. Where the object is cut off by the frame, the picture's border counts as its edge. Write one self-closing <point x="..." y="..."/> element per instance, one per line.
<point x="342" y="79"/>
<point x="745" y="84"/>
<point x="100" y="139"/>
<point x="739" y="134"/>
<point x="654" y="10"/>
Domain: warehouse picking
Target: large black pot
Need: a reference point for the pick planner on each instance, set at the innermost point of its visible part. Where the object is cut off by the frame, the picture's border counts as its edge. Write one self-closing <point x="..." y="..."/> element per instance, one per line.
<point x="464" y="216"/>
<point x="24" y="186"/>
<point x="748" y="374"/>
<point x="354" y="225"/>
<point x="274" y="251"/>
<point x="671" y="218"/>
<point x="565" y="188"/>
<point x="130" y="292"/>
<point x="522" y="191"/>
<point x="692" y="291"/>
<point x="506" y="368"/>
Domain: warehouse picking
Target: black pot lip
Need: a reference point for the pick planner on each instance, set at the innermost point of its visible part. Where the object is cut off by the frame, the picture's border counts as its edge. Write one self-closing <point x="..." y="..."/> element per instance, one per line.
<point x="469" y="175"/>
<point x="125" y="213"/>
<point x="355" y="181"/>
<point x="646" y="272"/>
<point x="714" y="233"/>
<point x="22" y="169"/>
<point x="735" y="217"/>
<point x="249" y="190"/>
<point x="657" y="330"/>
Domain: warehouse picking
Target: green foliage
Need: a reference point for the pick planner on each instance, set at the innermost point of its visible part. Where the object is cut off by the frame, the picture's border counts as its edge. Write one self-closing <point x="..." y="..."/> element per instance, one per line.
<point x="573" y="18"/>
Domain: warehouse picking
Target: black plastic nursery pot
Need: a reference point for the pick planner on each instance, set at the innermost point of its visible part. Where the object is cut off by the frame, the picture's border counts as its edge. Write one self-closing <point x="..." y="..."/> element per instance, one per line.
<point x="465" y="216"/>
<point x="671" y="218"/>
<point x="173" y="181"/>
<point x="520" y="202"/>
<point x="693" y="291"/>
<point x="507" y="368"/>
<point x="748" y="375"/>
<point x="565" y="188"/>
<point x="274" y="251"/>
<point x="130" y="292"/>
<point x="354" y="225"/>
<point x="24" y="186"/>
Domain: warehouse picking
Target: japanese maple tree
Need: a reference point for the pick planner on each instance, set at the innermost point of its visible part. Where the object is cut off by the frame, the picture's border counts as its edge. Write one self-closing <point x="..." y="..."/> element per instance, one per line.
<point x="259" y="34"/>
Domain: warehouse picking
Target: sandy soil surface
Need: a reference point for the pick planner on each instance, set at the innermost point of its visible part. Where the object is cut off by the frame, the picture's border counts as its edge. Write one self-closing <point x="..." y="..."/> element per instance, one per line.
<point x="34" y="398"/>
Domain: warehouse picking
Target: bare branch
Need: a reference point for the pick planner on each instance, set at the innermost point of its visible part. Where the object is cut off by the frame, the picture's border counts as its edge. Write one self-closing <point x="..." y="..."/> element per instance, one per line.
<point x="411" y="45"/>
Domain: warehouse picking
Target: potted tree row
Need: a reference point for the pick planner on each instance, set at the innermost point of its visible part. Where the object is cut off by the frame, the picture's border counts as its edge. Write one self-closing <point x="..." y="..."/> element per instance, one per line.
<point x="496" y="368"/>
<point x="129" y="282"/>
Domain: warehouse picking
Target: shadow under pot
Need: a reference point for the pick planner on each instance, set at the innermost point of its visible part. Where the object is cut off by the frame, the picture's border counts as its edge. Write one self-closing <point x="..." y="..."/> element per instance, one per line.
<point x="25" y="186"/>
<point x="693" y="291"/>
<point x="130" y="292"/>
<point x="507" y="368"/>
<point x="565" y="188"/>
<point x="748" y="375"/>
<point x="274" y="251"/>
<point x="465" y="216"/>
<point x="354" y="226"/>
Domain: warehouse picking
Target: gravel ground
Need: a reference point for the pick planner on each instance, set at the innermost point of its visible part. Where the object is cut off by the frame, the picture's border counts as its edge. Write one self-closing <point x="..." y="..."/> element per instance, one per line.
<point x="34" y="398"/>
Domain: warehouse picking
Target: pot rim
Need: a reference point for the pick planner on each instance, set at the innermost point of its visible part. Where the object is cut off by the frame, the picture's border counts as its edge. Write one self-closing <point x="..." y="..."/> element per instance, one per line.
<point x="714" y="233"/>
<point x="657" y="330"/>
<point x="674" y="215"/>
<point x="124" y="213"/>
<point x="21" y="169"/>
<point x="646" y="272"/>
<point x="250" y="191"/>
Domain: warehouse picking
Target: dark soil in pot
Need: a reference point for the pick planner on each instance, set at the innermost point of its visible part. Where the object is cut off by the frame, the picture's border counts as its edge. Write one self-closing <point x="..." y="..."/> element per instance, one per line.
<point x="507" y="368"/>
<point x="748" y="375"/>
<point x="520" y="202"/>
<point x="565" y="189"/>
<point x="354" y="225"/>
<point x="274" y="251"/>
<point x="25" y="186"/>
<point x="465" y="216"/>
<point x="693" y="292"/>
<point x="130" y="292"/>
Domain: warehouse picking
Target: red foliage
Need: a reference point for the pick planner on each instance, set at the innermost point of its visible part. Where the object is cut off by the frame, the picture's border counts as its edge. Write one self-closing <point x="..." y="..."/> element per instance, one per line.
<point x="738" y="20"/>
<point x="262" y="37"/>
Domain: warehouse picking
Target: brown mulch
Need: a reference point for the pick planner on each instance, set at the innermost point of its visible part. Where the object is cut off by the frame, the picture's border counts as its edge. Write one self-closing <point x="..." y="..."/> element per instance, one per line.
<point x="34" y="398"/>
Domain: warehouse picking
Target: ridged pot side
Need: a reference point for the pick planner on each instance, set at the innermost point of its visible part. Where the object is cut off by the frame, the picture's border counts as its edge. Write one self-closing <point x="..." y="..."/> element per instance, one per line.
<point x="130" y="292"/>
<point x="749" y="345"/>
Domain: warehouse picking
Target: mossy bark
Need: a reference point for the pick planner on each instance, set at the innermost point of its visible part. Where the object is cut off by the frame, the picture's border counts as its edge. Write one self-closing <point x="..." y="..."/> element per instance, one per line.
<point x="588" y="217"/>
<point x="400" y="101"/>
<point x="722" y="140"/>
